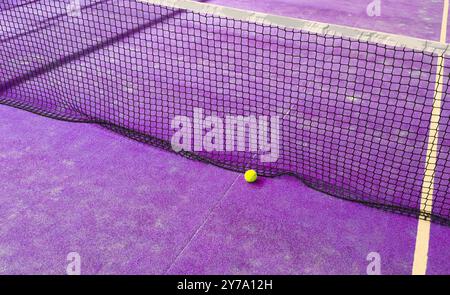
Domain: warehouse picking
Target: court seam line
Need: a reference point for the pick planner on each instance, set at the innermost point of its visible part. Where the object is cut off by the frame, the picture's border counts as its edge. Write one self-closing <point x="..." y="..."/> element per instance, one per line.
<point x="424" y="226"/>
<point x="199" y="228"/>
<point x="212" y="210"/>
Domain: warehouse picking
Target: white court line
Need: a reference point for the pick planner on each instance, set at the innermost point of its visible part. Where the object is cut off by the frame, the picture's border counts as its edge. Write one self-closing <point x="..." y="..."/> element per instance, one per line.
<point x="426" y="202"/>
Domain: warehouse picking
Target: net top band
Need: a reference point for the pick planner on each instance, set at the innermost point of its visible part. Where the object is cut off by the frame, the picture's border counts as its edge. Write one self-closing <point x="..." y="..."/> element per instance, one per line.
<point x="306" y="25"/>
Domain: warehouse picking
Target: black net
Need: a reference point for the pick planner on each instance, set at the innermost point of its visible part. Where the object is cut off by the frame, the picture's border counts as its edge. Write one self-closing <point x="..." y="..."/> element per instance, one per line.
<point x="348" y="117"/>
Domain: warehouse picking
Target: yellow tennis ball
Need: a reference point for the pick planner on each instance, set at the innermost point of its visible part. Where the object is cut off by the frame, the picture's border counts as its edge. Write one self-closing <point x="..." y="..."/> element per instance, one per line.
<point x="250" y="176"/>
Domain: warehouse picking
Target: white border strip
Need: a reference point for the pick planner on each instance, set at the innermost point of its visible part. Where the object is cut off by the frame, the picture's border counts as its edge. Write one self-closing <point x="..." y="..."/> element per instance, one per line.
<point x="305" y="25"/>
<point x="426" y="202"/>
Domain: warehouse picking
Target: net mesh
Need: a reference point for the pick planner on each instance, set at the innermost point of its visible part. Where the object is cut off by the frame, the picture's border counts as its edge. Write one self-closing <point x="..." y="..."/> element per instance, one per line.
<point x="348" y="117"/>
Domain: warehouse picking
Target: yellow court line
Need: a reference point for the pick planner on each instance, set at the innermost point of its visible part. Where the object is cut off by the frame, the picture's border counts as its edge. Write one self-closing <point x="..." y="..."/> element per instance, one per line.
<point x="426" y="202"/>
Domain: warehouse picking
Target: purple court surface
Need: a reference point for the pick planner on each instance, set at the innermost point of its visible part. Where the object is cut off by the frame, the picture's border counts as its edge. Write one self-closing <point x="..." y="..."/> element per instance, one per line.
<point x="130" y="208"/>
